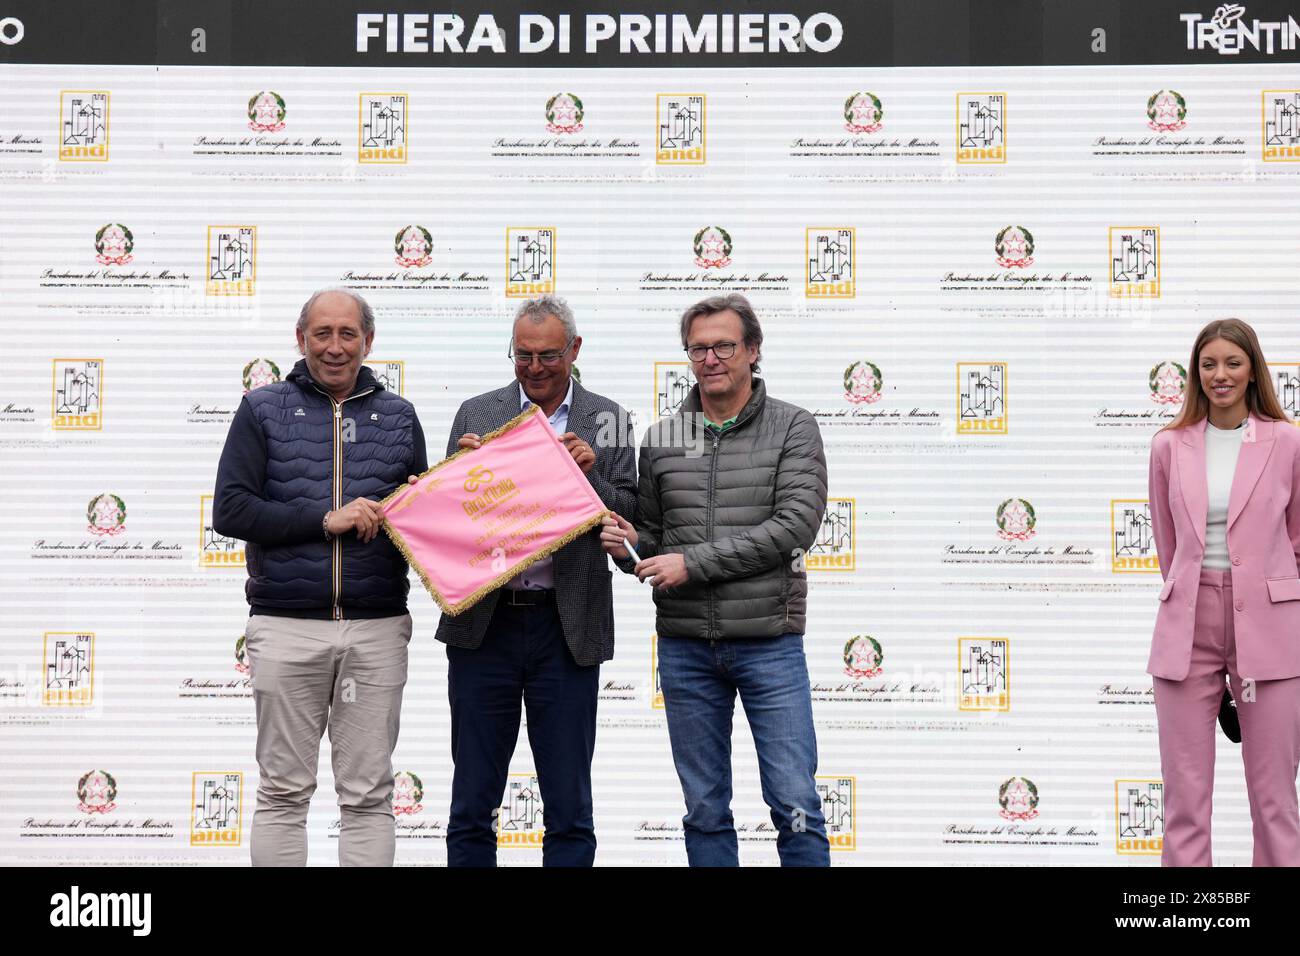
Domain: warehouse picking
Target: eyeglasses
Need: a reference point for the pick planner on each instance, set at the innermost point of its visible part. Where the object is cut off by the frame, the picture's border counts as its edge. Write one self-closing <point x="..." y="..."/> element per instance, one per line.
<point x="549" y="359"/>
<point x="723" y="351"/>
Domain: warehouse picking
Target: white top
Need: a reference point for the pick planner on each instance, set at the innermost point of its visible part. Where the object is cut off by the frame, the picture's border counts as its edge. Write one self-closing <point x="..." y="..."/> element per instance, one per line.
<point x="541" y="575"/>
<point x="1222" y="446"/>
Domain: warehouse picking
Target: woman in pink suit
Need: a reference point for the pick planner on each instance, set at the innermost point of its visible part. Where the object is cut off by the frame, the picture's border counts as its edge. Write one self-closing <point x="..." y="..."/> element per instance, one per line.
<point x="1225" y="513"/>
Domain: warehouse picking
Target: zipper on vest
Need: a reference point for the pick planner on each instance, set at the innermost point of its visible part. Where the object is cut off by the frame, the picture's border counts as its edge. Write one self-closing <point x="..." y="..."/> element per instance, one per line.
<point x="713" y="484"/>
<point x="336" y="490"/>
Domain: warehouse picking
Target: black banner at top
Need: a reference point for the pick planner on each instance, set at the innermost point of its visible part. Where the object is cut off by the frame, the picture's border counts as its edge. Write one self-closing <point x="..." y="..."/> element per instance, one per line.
<point x="653" y="33"/>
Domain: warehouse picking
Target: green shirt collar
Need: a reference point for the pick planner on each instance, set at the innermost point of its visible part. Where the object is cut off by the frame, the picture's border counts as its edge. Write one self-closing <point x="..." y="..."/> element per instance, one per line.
<point x="724" y="426"/>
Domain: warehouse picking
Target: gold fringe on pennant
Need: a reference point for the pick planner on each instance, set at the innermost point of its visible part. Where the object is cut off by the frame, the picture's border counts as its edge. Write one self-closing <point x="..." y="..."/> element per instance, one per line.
<point x="459" y="607"/>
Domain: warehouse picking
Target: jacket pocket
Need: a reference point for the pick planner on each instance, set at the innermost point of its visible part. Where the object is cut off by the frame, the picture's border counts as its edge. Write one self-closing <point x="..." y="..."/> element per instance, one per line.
<point x="1167" y="590"/>
<point x="1283" y="589"/>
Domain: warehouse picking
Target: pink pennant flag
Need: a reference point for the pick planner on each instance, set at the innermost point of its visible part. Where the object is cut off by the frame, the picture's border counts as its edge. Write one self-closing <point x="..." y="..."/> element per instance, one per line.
<point x="475" y="520"/>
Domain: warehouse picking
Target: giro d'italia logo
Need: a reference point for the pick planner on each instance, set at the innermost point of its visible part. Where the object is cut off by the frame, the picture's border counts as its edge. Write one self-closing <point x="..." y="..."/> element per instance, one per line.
<point x="476" y="478"/>
<point x="113" y="245"/>
<point x="863" y="657"/>
<point x="414" y="247"/>
<point x="408" y="794"/>
<point x="83" y="126"/>
<point x="1168" y="383"/>
<point x="259" y="372"/>
<point x="97" y="792"/>
<point x="1018" y="798"/>
<point x="216" y="808"/>
<point x="106" y="514"/>
<point x="241" y="654"/>
<point x="862" y="383"/>
<point x="1015" y="247"/>
<point x="863" y="113"/>
<point x="1166" y="111"/>
<point x="1280" y="117"/>
<point x="1016" y="520"/>
<point x="564" y="113"/>
<point x="266" y="111"/>
<point x="712" y="246"/>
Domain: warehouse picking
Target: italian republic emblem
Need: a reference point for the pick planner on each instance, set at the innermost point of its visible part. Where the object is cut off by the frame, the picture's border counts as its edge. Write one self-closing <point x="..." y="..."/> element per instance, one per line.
<point x="863" y="113"/>
<point x="712" y="248"/>
<point x="266" y="112"/>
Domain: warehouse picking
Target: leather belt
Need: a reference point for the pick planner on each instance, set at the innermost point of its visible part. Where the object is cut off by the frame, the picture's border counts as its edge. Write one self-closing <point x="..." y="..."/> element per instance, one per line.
<point x="521" y="598"/>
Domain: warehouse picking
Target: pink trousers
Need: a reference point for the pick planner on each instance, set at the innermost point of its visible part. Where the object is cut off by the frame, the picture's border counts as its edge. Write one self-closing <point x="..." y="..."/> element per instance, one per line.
<point x="1186" y="711"/>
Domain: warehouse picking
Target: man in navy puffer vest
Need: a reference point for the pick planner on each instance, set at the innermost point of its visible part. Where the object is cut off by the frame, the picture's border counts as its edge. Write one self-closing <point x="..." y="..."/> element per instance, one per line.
<point x="305" y="464"/>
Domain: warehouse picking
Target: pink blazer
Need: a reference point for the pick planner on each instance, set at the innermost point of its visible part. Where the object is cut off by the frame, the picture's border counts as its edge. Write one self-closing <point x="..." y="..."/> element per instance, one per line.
<point x="1263" y="546"/>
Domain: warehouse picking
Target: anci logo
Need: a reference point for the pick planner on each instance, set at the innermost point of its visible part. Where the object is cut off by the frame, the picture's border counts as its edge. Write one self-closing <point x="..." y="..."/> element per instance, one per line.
<point x="982" y="398"/>
<point x="1166" y="111"/>
<point x="863" y="113"/>
<point x="113" y="245"/>
<point x="1018" y="798"/>
<point x="657" y="695"/>
<point x="834" y="547"/>
<point x="564" y="113"/>
<point x="1016" y="519"/>
<point x="984" y="665"/>
<point x="1014" y="246"/>
<point x="1286" y="383"/>
<point x="259" y="372"/>
<point x="830" y="262"/>
<point x="266" y="112"/>
<point x="530" y="261"/>
<point x="712" y="246"/>
<point x="216" y="808"/>
<point x="389" y="373"/>
<point x="216" y="550"/>
<point x="232" y="260"/>
<point x="96" y="792"/>
<point x="840" y="808"/>
<point x="241" y="654"/>
<point x="69" y="668"/>
<point x="680" y="129"/>
<point x="862" y="383"/>
<point x="981" y="127"/>
<point x="408" y="792"/>
<point x="1281" y="120"/>
<point x="1228" y="33"/>
<point x="519" y="819"/>
<point x="1168" y="383"/>
<point x="78" y="387"/>
<point x="382" y="128"/>
<point x="1139" y="817"/>
<point x="83" y="126"/>
<point x="1135" y="261"/>
<point x="863" y="657"/>
<point x="673" y="382"/>
<point x="1133" y="546"/>
<point x="106" y="515"/>
<point x="414" y="247"/>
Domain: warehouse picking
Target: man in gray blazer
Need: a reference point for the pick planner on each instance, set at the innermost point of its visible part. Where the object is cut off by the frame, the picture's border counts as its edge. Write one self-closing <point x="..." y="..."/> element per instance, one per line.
<point x="543" y="636"/>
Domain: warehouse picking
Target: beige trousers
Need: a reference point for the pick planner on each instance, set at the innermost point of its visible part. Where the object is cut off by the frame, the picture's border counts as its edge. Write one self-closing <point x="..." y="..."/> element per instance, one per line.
<point x="309" y="676"/>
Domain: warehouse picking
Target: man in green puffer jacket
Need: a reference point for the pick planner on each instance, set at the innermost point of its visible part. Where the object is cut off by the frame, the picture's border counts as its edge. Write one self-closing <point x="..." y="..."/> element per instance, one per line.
<point x="731" y="493"/>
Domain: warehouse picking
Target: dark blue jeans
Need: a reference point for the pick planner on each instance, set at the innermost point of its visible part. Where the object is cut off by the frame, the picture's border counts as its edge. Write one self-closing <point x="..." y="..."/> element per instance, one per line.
<point x="523" y="657"/>
<point x="700" y="680"/>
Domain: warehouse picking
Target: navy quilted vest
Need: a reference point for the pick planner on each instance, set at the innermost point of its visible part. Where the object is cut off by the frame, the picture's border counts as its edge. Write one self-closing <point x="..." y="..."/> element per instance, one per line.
<point x="302" y="451"/>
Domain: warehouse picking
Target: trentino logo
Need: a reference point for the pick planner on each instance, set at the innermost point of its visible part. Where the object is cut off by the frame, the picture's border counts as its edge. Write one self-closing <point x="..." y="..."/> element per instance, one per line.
<point x="1133" y="546"/>
<point x="1139" y="817"/>
<point x="266" y="112"/>
<point x="984" y="674"/>
<point x="113" y="245"/>
<point x="680" y="129"/>
<point x="830" y="262"/>
<point x="1228" y="33"/>
<point x="564" y="113"/>
<point x="83" y="126"/>
<point x="383" y="125"/>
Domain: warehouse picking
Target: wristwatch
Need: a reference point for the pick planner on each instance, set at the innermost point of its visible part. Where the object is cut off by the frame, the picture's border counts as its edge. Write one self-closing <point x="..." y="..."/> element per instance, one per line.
<point x="325" y="526"/>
